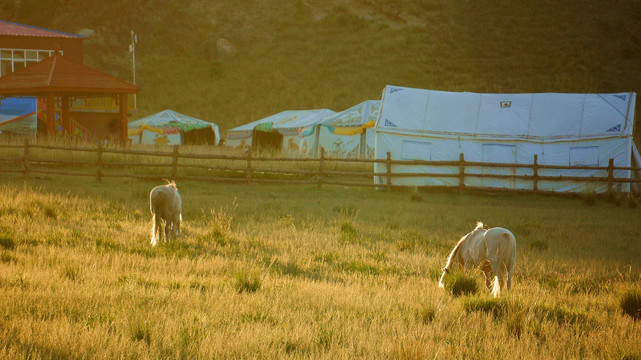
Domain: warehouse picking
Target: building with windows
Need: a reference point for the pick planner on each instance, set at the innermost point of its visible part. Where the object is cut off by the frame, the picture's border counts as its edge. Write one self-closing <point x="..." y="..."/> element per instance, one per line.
<point x="93" y="117"/>
<point x="21" y="45"/>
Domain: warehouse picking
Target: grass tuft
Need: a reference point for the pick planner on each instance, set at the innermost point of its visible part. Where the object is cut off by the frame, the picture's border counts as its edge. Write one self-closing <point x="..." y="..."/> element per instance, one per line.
<point x="50" y="212"/>
<point x="585" y="286"/>
<point x="6" y="241"/>
<point x="247" y="281"/>
<point x="6" y="257"/>
<point x="515" y="313"/>
<point x="549" y="281"/>
<point x="427" y="313"/>
<point x="589" y="198"/>
<point x="348" y="233"/>
<point x="408" y="241"/>
<point x="197" y="285"/>
<point x="461" y="283"/>
<point x="630" y="303"/>
<point x="497" y="307"/>
<point x="140" y="331"/>
<point x="539" y="245"/>
<point x="70" y="272"/>
<point x="631" y="357"/>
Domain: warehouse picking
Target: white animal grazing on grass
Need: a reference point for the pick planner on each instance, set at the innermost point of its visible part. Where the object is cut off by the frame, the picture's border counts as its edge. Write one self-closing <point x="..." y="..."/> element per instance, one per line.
<point x="165" y="205"/>
<point x="493" y="251"/>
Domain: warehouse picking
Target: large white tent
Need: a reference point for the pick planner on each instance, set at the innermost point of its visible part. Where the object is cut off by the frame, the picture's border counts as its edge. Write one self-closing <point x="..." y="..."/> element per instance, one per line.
<point x="277" y="132"/>
<point x="169" y="127"/>
<point x="561" y="129"/>
<point x="349" y="133"/>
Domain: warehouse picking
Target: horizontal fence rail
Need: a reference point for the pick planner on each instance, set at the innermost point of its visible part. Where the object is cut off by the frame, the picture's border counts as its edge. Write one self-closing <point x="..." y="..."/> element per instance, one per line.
<point x="99" y="162"/>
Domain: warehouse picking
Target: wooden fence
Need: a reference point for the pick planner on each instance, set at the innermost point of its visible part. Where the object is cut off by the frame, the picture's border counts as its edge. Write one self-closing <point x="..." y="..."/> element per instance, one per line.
<point x="99" y="162"/>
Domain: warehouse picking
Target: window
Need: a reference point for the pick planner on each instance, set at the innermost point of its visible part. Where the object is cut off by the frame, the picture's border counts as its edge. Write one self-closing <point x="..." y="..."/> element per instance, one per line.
<point x="5" y="67"/>
<point x="15" y="59"/>
<point x="499" y="153"/>
<point x="416" y="150"/>
<point x="584" y="156"/>
<point x="43" y="54"/>
<point x="31" y="55"/>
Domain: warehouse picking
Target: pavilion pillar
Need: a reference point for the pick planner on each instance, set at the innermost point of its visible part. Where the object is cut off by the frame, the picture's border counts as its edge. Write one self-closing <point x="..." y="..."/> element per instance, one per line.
<point x="51" y="115"/>
<point x="122" y="101"/>
<point x="66" y="121"/>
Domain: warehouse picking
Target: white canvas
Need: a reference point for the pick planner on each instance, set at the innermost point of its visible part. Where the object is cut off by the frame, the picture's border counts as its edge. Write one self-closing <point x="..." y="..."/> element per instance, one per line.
<point x="561" y="129"/>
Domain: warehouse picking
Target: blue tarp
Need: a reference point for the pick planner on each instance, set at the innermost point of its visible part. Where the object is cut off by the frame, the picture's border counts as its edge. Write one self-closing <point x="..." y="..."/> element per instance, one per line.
<point x="18" y="116"/>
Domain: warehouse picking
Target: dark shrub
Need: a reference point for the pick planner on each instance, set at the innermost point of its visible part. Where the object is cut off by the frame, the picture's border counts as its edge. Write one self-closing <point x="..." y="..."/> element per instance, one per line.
<point x="630" y="303"/>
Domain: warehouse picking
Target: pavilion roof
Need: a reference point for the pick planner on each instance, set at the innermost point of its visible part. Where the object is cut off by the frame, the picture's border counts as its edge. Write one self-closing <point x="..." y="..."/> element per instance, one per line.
<point x="15" y="29"/>
<point x="62" y="76"/>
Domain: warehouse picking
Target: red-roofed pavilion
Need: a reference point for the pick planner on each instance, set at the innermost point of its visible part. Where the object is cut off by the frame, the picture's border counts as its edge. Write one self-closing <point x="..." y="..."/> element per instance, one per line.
<point x="58" y="78"/>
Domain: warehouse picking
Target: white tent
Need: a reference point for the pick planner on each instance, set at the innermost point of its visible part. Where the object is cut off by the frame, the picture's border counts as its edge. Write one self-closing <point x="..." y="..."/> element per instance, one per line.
<point x="279" y="131"/>
<point x="169" y="127"/>
<point x="349" y="133"/>
<point x="561" y="129"/>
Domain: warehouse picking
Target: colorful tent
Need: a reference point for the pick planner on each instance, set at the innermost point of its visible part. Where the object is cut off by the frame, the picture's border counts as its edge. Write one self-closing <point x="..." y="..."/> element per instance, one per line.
<point x="172" y="128"/>
<point x="279" y="131"/>
<point x="348" y="133"/>
<point x="584" y="130"/>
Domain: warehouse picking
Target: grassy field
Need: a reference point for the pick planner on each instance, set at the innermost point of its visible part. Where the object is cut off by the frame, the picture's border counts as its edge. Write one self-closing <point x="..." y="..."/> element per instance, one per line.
<point x="301" y="272"/>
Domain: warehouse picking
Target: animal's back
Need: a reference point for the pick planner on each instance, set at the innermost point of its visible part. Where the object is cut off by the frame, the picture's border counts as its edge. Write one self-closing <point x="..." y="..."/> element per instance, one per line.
<point x="472" y="248"/>
<point x="502" y="242"/>
<point x="164" y="199"/>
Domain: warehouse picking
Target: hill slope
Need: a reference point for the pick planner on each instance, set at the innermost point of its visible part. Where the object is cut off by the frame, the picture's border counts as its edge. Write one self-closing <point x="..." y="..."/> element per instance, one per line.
<point x="235" y="62"/>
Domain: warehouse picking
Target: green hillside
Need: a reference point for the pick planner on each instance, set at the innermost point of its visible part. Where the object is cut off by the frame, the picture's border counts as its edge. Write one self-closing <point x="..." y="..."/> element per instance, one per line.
<point x="232" y="62"/>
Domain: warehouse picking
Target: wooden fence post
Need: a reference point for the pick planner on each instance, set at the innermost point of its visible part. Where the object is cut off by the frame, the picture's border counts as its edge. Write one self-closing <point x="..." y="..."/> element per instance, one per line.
<point x="25" y="161"/>
<point x="610" y="176"/>
<point x="320" y="169"/>
<point x="535" y="174"/>
<point x="249" y="167"/>
<point x="174" y="169"/>
<point x="99" y="163"/>
<point x="388" y="164"/>
<point x="461" y="173"/>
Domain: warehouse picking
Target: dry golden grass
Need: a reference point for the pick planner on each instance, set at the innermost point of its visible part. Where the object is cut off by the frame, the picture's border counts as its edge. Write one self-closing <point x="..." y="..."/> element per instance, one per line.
<point x="301" y="272"/>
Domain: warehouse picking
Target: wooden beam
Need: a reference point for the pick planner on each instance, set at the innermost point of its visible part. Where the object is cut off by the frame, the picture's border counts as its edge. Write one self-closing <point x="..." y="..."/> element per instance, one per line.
<point x="66" y="120"/>
<point x="124" y="138"/>
<point x="51" y="115"/>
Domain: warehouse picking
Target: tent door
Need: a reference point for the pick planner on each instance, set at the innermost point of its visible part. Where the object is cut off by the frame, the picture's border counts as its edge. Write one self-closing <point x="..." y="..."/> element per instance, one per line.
<point x="267" y="141"/>
<point x="501" y="154"/>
